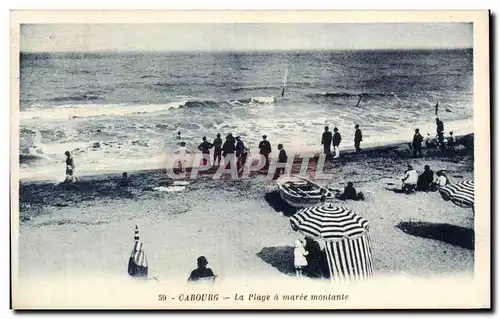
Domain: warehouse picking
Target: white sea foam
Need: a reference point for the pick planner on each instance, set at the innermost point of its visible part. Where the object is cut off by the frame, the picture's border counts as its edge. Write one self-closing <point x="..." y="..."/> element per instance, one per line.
<point x="91" y="110"/>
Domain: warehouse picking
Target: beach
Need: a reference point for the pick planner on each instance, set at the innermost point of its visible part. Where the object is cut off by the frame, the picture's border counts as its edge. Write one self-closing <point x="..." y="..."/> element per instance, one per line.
<point x="241" y="226"/>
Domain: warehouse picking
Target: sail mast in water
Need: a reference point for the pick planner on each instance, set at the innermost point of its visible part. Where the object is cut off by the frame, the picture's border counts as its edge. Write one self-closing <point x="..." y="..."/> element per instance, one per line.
<point x="284" y="82"/>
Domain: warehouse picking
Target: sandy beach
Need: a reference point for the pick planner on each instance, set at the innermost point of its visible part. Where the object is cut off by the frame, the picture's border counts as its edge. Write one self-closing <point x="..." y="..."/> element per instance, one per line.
<point x="241" y="226"/>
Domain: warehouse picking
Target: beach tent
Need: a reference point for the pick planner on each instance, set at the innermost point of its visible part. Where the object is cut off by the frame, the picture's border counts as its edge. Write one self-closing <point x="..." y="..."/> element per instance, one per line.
<point x="138" y="263"/>
<point x="460" y="193"/>
<point x="346" y="237"/>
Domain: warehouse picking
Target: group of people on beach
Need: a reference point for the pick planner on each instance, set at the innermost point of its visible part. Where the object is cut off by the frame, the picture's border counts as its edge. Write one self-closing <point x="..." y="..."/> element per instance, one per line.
<point x="424" y="182"/>
<point x="329" y="140"/>
<point x="438" y="142"/>
<point x="231" y="148"/>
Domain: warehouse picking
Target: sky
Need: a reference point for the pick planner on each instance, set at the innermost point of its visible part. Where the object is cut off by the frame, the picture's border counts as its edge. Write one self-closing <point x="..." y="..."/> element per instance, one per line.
<point x="243" y="37"/>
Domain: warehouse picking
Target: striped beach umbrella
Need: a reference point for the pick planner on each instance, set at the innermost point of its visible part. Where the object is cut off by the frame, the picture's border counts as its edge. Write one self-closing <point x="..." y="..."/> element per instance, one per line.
<point x="460" y="193"/>
<point x="138" y="263"/>
<point x="346" y="237"/>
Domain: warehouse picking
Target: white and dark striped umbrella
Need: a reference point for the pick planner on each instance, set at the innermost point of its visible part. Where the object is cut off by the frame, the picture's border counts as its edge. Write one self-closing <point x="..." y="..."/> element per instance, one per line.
<point x="329" y="223"/>
<point x="460" y="193"/>
<point x="347" y="240"/>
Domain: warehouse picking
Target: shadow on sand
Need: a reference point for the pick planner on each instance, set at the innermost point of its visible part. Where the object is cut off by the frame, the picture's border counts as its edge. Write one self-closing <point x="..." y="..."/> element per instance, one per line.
<point x="451" y="234"/>
<point x="280" y="258"/>
<point x="395" y="190"/>
<point x="278" y="204"/>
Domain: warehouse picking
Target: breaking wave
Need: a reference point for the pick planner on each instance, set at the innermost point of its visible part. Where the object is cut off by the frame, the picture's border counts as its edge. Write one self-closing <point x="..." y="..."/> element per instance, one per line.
<point x="73" y="111"/>
<point x="349" y="94"/>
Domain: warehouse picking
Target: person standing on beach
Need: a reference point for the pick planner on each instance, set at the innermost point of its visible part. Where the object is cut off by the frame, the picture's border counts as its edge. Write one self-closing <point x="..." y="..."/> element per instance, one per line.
<point x="241" y="153"/>
<point x="228" y="150"/>
<point x="326" y="141"/>
<point x="337" y="138"/>
<point x="265" y="150"/>
<point x="300" y="260"/>
<point x="440" y="131"/>
<point x="70" y="168"/>
<point x="182" y="156"/>
<point x="282" y="158"/>
<point x="205" y="147"/>
<point x="358" y="137"/>
<point x="217" y="149"/>
<point x="417" y="143"/>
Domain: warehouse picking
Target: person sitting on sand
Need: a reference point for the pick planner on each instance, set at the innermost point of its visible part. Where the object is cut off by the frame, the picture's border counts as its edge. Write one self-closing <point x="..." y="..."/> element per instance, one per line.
<point x="430" y="142"/>
<point x="440" y="180"/>
<point x="409" y="179"/>
<point x="202" y="271"/>
<point x="70" y="168"/>
<point x="299" y="253"/>
<point x="425" y="179"/>
<point x="124" y="181"/>
<point x="350" y="193"/>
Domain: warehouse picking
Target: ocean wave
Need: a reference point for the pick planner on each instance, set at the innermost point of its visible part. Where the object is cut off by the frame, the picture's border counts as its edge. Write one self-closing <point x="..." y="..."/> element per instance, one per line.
<point x="29" y="158"/>
<point x="255" y="88"/>
<point x="93" y="95"/>
<point x="73" y="111"/>
<point x="348" y="94"/>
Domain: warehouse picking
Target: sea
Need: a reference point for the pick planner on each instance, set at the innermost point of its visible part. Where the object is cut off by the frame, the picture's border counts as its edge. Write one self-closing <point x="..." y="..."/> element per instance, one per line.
<point x="121" y="111"/>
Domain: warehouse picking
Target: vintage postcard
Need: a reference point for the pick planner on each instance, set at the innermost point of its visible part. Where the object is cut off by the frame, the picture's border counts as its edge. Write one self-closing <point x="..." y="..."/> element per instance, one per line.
<point x="250" y="159"/>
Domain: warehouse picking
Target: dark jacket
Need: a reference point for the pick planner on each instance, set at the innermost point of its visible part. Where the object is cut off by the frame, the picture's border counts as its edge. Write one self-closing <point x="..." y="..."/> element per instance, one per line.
<point x="358" y="137"/>
<point x="200" y="273"/>
<point x="205" y="147"/>
<point x="349" y="193"/>
<point x="217" y="144"/>
<point x="228" y="147"/>
<point x="337" y="138"/>
<point x="326" y="139"/>
<point x="282" y="157"/>
<point x="240" y="148"/>
<point x="265" y="147"/>
<point x="425" y="180"/>
<point x="439" y="127"/>
<point x="417" y="139"/>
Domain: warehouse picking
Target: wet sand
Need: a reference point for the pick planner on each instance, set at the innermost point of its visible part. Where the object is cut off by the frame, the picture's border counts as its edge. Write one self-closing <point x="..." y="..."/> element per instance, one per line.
<point x="241" y="226"/>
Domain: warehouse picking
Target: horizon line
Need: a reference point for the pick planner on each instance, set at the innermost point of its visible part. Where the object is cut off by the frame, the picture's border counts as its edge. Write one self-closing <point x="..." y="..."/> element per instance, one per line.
<point x="254" y="50"/>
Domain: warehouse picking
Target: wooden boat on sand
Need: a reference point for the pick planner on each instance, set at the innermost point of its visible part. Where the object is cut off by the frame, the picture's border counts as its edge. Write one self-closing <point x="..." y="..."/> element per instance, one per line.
<point x="298" y="191"/>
